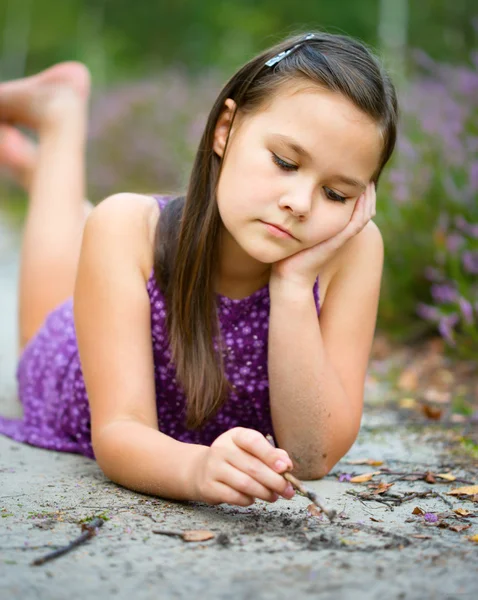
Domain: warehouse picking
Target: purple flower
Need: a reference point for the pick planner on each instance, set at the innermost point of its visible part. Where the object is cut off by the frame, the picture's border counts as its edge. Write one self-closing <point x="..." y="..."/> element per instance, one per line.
<point x="470" y="229"/>
<point x="474" y="176"/>
<point x="470" y="262"/>
<point x="345" y="477"/>
<point x="445" y="327"/>
<point x="454" y="241"/>
<point x="444" y="293"/>
<point x="427" y="312"/>
<point x="466" y="310"/>
<point x="430" y="517"/>
<point x="461" y="223"/>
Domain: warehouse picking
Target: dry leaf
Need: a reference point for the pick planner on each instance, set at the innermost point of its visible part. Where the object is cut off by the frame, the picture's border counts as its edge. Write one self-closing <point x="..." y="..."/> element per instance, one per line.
<point x="468" y="490"/>
<point x="381" y="488"/>
<point x="462" y="512"/>
<point x="421" y="536"/>
<point x="365" y="461"/>
<point x="314" y="511"/>
<point x="418" y="511"/>
<point x="474" y="538"/>
<point x="432" y="412"/>
<point x="474" y="498"/>
<point x="429" y="477"/>
<point x="197" y="535"/>
<point x="459" y="527"/>
<point x="376" y="520"/>
<point x="364" y="477"/>
<point x="447" y="476"/>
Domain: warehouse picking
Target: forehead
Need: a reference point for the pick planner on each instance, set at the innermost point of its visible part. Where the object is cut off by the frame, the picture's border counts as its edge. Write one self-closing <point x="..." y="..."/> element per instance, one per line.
<point x="328" y="125"/>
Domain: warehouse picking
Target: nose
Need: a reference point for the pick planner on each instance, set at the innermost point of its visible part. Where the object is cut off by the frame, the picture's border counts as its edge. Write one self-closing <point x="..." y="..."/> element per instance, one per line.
<point x="299" y="202"/>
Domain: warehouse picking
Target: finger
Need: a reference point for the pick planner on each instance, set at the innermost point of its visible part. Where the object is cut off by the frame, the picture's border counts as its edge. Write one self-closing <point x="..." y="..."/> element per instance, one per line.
<point x="371" y="200"/>
<point x="256" y="469"/>
<point x="356" y="224"/>
<point x="230" y="495"/>
<point x="360" y="217"/>
<point x="255" y="443"/>
<point x="244" y="484"/>
<point x="358" y="220"/>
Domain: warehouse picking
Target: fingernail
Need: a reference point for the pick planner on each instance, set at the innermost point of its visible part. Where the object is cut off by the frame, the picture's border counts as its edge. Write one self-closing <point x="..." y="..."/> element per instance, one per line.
<point x="289" y="490"/>
<point x="280" y="465"/>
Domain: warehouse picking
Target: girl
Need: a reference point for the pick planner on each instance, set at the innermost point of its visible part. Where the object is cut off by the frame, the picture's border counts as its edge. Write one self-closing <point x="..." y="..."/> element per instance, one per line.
<point x="166" y="337"/>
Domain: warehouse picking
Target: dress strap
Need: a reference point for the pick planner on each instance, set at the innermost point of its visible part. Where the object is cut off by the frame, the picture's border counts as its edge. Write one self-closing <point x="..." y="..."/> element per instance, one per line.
<point x="162" y="200"/>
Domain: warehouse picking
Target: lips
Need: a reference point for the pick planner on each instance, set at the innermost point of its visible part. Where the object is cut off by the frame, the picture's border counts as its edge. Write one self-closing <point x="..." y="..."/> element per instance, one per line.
<point x="284" y="229"/>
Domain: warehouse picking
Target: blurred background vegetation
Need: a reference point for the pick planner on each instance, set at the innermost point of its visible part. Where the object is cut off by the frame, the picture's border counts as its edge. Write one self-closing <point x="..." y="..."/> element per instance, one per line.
<point x="157" y="68"/>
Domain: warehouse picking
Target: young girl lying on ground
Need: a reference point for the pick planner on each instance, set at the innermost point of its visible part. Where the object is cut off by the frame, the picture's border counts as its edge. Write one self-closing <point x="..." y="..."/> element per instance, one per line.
<point x="167" y="336"/>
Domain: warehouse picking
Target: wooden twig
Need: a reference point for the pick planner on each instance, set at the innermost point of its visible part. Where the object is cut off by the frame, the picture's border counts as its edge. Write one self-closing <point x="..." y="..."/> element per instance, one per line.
<point x="397" y="499"/>
<point x="445" y="500"/>
<point x="168" y="532"/>
<point x="389" y="503"/>
<point x="308" y="493"/>
<point x="403" y="475"/>
<point x="299" y="486"/>
<point x="89" y="530"/>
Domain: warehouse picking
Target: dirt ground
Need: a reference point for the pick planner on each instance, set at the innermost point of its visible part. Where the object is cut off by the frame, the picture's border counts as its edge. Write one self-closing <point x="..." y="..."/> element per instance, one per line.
<point x="410" y="540"/>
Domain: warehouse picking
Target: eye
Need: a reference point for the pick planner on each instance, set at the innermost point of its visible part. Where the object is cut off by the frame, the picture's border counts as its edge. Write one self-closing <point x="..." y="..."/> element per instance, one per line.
<point x="285" y="166"/>
<point x="282" y="164"/>
<point x="335" y="197"/>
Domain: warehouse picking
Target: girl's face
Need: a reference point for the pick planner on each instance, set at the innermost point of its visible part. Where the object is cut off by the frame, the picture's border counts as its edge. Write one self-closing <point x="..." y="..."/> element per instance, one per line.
<point x="300" y="163"/>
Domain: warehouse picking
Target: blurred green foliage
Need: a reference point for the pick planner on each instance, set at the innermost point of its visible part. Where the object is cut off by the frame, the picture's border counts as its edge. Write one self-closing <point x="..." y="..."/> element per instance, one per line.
<point x="118" y="38"/>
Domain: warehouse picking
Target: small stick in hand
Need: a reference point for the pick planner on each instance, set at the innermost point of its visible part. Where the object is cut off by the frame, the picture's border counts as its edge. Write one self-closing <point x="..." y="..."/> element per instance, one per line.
<point x="299" y="486"/>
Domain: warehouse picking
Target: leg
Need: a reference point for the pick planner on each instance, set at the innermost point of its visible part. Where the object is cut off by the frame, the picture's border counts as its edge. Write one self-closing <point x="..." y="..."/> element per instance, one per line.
<point x="55" y="104"/>
<point x="19" y="158"/>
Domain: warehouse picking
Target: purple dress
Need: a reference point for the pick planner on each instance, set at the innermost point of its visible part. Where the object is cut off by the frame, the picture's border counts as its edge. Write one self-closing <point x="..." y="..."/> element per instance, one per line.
<point x="52" y="390"/>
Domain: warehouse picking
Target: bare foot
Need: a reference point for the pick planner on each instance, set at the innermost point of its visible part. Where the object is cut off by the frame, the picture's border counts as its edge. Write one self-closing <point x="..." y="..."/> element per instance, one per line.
<point x="41" y="99"/>
<point x="18" y="155"/>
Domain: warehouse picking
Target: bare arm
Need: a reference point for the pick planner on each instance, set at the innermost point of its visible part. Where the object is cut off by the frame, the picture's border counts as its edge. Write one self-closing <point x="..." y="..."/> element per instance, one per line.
<point x="317" y="369"/>
<point x="112" y="321"/>
<point x="145" y="460"/>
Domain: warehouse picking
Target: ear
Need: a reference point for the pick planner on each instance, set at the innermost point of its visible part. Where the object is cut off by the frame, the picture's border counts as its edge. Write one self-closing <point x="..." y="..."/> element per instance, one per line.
<point x="222" y="127"/>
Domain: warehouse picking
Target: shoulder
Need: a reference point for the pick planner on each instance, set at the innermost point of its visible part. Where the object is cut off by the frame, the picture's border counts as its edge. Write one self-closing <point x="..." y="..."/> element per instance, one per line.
<point x="129" y="219"/>
<point x="366" y="247"/>
<point x="361" y="257"/>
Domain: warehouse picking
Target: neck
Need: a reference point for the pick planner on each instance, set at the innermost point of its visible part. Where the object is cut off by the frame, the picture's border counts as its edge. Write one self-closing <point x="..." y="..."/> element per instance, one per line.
<point x="238" y="274"/>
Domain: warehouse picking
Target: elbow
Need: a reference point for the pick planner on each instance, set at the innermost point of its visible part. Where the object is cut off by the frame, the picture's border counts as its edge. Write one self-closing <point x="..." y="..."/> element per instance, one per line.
<point x="312" y="470"/>
<point x="318" y="469"/>
<point x="312" y="474"/>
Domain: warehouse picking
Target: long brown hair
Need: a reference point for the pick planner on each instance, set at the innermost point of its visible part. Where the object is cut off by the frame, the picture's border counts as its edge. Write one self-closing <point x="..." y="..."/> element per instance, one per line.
<point x="187" y="234"/>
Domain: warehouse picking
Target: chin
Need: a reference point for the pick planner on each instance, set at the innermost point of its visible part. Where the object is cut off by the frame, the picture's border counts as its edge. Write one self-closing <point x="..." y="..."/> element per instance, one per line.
<point x="264" y="252"/>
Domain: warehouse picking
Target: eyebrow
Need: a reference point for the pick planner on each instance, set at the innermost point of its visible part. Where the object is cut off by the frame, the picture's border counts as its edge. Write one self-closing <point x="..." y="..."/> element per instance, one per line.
<point x="303" y="152"/>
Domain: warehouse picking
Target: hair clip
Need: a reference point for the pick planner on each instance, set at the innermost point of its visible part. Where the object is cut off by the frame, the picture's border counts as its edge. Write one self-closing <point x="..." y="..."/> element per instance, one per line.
<point x="278" y="57"/>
